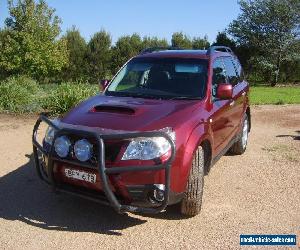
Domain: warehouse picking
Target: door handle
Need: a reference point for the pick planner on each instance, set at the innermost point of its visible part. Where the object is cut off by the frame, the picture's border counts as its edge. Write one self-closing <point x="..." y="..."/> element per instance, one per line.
<point x="231" y="103"/>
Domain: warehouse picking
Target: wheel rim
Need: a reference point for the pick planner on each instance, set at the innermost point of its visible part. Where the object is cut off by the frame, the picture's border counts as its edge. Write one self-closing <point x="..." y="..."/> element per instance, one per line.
<point x="245" y="133"/>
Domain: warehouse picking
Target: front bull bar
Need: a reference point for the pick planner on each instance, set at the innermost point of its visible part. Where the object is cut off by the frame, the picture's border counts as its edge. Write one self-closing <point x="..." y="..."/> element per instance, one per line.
<point x="100" y="163"/>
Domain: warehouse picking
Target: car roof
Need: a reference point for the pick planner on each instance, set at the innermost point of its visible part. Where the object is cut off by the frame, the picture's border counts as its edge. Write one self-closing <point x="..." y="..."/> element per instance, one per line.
<point x="182" y="53"/>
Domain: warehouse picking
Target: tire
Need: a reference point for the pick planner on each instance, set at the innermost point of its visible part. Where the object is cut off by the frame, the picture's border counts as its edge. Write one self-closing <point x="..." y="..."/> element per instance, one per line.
<point x="240" y="146"/>
<point x="192" y="201"/>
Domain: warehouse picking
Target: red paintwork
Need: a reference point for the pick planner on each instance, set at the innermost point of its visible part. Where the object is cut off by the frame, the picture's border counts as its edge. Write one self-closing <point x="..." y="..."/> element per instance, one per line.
<point x="193" y="121"/>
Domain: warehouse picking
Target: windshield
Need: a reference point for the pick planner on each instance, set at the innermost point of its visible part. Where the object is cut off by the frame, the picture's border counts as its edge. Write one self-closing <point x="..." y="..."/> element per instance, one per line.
<point x="165" y="78"/>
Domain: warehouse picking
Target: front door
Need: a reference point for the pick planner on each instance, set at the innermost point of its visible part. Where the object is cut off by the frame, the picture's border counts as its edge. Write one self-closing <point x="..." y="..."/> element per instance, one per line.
<point x="238" y="95"/>
<point x="221" y="115"/>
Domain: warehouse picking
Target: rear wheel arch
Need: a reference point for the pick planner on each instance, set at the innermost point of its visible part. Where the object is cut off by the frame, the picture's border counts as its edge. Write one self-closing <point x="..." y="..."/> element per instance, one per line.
<point x="239" y="147"/>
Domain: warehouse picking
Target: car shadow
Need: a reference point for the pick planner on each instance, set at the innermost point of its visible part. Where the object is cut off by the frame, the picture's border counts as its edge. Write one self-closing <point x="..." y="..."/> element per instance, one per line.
<point x="294" y="137"/>
<point x="26" y="198"/>
<point x="171" y="213"/>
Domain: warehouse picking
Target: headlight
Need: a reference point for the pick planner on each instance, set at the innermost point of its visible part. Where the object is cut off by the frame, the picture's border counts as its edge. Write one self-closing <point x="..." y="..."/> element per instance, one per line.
<point x="50" y="132"/>
<point x="148" y="148"/>
<point x="49" y="135"/>
<point x="62" y="146"/>
<point x="83" y="150"/>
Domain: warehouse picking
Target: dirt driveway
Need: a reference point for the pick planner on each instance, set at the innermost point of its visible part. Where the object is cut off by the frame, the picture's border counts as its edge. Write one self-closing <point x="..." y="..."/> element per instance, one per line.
<point x="258" y="192"/>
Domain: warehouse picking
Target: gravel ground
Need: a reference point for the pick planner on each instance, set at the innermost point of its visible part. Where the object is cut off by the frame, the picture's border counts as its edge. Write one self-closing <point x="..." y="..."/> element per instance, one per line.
<point x="255" y="193"/>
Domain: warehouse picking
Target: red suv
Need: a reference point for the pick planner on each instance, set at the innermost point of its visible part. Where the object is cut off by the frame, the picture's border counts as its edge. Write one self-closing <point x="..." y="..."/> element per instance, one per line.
<point x="148" y="140"/>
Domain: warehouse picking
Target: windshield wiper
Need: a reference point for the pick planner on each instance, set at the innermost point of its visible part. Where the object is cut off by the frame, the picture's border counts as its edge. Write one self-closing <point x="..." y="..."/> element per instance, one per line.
<point x="140" y="95"/>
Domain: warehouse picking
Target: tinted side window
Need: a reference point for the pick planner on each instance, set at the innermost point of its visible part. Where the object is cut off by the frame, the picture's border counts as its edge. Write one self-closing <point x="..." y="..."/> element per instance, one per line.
<point x="230" y="71"/>
<point x="239" y="69"/>
<point x="219" y="75"/>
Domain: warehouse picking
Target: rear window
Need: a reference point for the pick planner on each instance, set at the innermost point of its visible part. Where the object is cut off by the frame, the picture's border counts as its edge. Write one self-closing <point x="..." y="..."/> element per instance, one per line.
<point x="189" y="68"/>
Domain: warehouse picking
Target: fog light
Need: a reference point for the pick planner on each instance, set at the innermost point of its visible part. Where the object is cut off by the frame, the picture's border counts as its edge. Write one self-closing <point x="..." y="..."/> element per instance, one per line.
<point x="83" y="150"/>
<point x="159" y="192"/>
<point x="158" y="195"/>
<point x="62" y="146"/>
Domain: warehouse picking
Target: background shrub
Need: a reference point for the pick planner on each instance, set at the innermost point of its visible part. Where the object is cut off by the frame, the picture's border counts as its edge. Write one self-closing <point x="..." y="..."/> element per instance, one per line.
<point x="19" y="95"/>
<point x="67" y="95"/>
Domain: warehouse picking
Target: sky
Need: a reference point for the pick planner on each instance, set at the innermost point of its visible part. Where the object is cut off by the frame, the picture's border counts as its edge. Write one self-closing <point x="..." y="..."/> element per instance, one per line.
<point x="145" y="17"/>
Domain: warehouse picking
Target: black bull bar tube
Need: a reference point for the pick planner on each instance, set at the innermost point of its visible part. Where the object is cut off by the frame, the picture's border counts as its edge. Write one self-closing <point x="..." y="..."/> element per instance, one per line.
<point x="100" y="163"/>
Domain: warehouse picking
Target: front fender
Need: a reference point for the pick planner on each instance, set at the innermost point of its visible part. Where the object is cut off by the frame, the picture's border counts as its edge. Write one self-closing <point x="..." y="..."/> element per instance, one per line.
<point x="198" y="135"/>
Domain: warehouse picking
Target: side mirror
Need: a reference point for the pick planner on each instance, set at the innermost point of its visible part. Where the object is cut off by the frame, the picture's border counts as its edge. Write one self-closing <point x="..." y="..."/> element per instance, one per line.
<point x="103" y="84"/>
<point x="224" y="91"/>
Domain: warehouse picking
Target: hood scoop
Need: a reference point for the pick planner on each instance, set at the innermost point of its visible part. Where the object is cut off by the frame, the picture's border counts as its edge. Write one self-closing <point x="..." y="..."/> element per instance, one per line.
<point x="113" y="109"/>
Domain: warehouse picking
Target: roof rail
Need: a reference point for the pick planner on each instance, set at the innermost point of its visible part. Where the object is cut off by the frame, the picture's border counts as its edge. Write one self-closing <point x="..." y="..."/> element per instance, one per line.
<point x="154" y="49"/>
<point x="212" y="49"/>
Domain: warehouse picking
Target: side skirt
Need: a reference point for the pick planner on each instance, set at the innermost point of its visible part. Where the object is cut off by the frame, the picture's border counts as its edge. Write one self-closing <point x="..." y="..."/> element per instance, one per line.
<point x="224" y="150"/>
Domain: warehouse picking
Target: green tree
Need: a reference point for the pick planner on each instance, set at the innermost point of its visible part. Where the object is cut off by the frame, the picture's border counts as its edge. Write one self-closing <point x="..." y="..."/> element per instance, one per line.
<point x="125" y="48"/>
<point x="243" y="52"/>
<point x="99" y="56"/>
<point x="291" y="66"/>
<point x="200" y="43"/>
<point x="30" y="44"/>
<point x="181" y="40"/>
<point x="6" y="58"/>
<point x="222" y="39"/>
<point x="269" y="26"/>
<point x="149" y="42"/>
<point x="77" y="47"/>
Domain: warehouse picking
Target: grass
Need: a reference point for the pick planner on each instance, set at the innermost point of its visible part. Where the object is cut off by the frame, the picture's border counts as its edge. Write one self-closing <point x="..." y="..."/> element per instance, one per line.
<point x="282" y="151"/>
<point x="275" y="95"/>
<point x="279" y="147"/>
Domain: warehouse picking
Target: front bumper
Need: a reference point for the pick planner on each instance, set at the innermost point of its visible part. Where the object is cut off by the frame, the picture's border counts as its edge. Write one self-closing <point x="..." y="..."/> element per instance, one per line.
<point x="109" y="197"/>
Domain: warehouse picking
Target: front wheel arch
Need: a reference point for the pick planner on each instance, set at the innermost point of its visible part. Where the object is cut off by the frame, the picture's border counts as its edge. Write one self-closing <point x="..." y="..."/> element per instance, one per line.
<point x="207" y="155"/>
<point x="192" y="145"/>
<point x="248" y="113"/>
